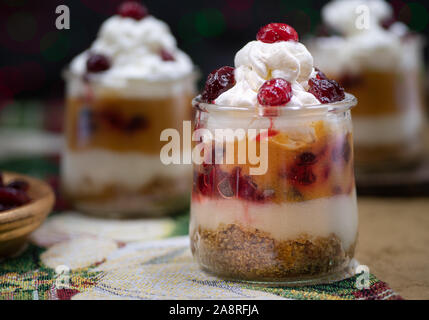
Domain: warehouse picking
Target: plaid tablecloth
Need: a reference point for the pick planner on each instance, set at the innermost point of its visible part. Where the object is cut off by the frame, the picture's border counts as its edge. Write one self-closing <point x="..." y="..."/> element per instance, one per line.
<point x="77" y="257"/>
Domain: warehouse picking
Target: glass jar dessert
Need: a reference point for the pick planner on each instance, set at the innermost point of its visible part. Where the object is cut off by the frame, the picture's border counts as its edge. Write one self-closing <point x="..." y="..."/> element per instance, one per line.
<point x="293" y="220"/>
<point x="121" y="94"/>
<point x="382" y="65"/>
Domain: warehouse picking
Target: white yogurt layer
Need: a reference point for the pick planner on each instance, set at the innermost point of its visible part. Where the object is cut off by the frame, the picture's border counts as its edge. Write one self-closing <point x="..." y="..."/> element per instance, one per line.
<point x="319" y="218"/>
<point x="133" y="47"/>
<point x="399" y="128"/>
<point x="92" y="171"/>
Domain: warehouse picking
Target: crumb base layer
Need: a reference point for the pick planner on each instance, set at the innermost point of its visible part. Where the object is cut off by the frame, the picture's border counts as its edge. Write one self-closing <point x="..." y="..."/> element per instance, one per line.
<point x="235" y="253"/>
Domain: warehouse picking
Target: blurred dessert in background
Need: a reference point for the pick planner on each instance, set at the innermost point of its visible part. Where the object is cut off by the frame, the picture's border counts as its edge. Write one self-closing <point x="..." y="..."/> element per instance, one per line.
<point x="132" y="83"/>
<point x="297" y="222"/>
<point x="380" y="61"/>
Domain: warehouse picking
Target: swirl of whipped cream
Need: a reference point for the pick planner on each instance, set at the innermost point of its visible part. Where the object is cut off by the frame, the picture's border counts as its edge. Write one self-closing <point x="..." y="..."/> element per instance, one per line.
<point x="342" y="15"/>
<point x="370" y="47"/>
<point x="134" y="46"/>
<point x="258" y="62"/>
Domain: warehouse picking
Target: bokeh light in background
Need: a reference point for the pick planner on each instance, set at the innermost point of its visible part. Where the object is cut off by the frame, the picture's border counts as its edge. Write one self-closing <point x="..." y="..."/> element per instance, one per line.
<point x="210" y="31"/>
<point x="104" y="7"/>
<point x="301" y="15"/>
<point x="419" y="16"/>
<point x="187" y="28"/>
<point x="21" y="26"/>
<point x="210" y="22"/>
<point x="54" y="46"/>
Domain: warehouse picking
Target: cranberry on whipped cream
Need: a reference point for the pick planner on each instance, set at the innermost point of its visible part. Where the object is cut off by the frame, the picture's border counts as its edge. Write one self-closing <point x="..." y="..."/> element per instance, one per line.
<point x="274" y="70"/>
<point x="132" y="9"/>
<point x="138" y="46"/>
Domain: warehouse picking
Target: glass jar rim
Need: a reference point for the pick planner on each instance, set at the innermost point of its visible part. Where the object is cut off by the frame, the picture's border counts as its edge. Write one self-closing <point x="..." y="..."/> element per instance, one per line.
<point x="344" y="105"/>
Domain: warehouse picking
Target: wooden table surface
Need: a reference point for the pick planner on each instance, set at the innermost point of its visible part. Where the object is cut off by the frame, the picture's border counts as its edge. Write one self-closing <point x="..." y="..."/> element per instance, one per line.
<point x="394" y="243"/>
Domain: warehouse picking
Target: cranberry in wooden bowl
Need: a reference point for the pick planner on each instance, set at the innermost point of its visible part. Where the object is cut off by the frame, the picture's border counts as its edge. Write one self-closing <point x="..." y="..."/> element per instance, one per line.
<point x="25" y="202"/>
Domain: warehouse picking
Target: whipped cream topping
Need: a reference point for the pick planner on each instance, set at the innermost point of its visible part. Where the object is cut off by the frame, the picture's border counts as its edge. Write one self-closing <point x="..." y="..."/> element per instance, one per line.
<point x="133" y="47"/>
<point x="342" y="15"/>
<point x="364" y="43"/>
<point x="258" y="62"/>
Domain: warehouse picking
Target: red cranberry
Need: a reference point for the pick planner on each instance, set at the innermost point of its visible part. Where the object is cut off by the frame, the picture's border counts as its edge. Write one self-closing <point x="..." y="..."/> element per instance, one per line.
<point x="166" y="56"/>
<point x="204" y="189"/>
<point x="320" y="75"/>
<point x="275" y="32"/>
<point x="206" y="180"/>
<point x="19" y="185"/>
<point x="218" y="82"/>
<point x="132" y="9"/>
<point x="136" y="123"/>
<point x="326" y="91"/>
<point x="387" y="23"/>
<point x="246" y="189"/>
<point x="275" y="92"/>
<point x="307" y="158"/>
<point x="113" y="119"/>
<point x="97" y="63"/>
<point x="302" y="175"/>
<point x="9" y="196"/>
<point x="271" y="133"/>
<point x="228" y="186"/>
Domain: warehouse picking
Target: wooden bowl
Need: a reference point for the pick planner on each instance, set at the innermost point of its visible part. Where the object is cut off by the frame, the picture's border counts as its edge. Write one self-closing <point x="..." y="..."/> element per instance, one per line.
<point x="16" y="224"/>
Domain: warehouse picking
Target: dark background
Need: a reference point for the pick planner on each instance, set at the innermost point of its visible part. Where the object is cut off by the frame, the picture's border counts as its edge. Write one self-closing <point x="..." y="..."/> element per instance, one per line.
<point x="33" y="52"/>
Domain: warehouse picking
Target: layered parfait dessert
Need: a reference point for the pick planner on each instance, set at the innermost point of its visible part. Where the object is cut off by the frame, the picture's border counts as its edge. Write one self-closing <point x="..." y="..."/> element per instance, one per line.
<point x="378" y="60"/>
<point x="130" y="85"/>
<point x="295" y="221"/>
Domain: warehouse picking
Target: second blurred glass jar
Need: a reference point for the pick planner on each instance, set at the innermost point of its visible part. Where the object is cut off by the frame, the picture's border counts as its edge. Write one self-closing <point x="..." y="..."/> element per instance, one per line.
<point x="390" y="118"/>
<point x="111" y="163"/>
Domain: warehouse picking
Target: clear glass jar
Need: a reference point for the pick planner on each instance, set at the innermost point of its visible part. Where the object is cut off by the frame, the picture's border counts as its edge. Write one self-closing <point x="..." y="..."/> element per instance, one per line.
<point x="389" y="121"/>
<point x="111" y="162"/>
<point x="295" y="222"/>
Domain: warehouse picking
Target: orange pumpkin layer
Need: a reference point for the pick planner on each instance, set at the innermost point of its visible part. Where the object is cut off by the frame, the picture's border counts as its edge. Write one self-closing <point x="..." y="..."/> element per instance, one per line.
<point x="122" y="124"/>
<point x="298" y="170"/>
